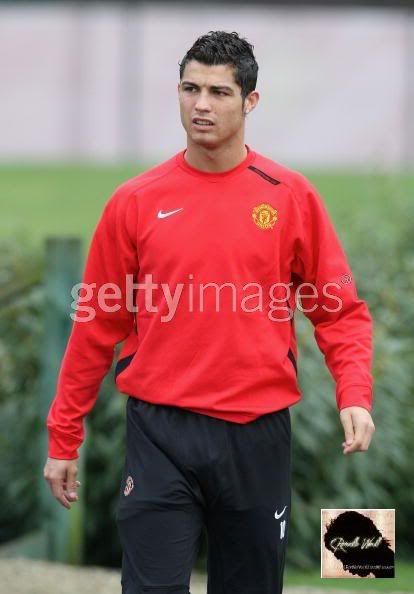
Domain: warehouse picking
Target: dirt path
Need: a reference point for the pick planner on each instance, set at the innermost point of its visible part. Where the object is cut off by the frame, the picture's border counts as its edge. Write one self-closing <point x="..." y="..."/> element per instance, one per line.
<point x="23" y="576"/>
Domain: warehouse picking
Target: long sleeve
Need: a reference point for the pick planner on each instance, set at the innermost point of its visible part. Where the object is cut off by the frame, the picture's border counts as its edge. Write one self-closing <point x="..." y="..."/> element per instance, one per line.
<point x="100" y="323"/>
<point x="342" y="322"/>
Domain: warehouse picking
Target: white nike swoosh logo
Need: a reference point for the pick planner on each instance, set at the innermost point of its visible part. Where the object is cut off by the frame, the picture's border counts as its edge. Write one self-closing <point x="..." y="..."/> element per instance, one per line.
<point x="277" y="516"/>
<point x="163" y="215"/>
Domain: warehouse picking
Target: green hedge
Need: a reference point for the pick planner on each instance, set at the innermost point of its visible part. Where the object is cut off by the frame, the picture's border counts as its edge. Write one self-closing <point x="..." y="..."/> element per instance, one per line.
<point x="21" y="300"/>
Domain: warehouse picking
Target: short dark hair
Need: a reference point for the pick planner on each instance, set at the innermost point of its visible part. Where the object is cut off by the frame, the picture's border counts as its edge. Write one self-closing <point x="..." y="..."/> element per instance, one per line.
<point x="220" y="47"/>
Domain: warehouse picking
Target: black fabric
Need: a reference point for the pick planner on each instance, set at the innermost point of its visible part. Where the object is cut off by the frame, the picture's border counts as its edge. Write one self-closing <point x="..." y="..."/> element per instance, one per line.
<point x="184" y="472"/>
<point x="123" y="364"/>
<point x="293" y="360"/>
<point x="265" y="176"/>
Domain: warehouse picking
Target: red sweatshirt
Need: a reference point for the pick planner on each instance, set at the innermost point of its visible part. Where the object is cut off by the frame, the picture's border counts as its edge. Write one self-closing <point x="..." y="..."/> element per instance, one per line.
<point x="221" y="259"/>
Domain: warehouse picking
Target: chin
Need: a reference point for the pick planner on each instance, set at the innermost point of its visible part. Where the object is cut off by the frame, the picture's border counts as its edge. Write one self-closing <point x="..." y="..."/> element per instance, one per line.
<point x="206" y="142"/>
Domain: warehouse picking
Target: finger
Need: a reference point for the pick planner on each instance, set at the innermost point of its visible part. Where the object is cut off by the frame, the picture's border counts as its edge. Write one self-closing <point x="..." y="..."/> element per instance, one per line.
<point x="63" y="500"/>
<point x="56" y="486"/>
<point x="369" y="431"/>
<point x="71" y="484"/>
<point x="354" y="447"/>
<point x="365" y="443"/>
<point x="71" y="494"/>
<point x="358" y="445"/>
<point x="77" y="483"/>
<point x="347" y="423"/>
<point x="359" y="435"/>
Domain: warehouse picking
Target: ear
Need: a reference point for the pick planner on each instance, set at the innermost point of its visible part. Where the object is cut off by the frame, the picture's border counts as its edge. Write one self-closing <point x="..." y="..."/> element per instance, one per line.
<point x="251" y="101"/>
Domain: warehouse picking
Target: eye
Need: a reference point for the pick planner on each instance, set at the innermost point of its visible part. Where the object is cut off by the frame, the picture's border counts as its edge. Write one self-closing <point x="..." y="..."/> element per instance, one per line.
<point x="221" y="93"/>
<point x="189" y="89"/>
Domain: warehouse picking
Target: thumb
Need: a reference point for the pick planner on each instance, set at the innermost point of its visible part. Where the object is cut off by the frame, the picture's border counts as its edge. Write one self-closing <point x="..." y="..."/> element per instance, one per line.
<point x="71" y="485"/>
<point x="348" y="426"/>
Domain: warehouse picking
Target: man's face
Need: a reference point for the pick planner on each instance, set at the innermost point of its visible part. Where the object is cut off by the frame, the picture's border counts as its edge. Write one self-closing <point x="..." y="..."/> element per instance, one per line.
<point x="211" y="94"/>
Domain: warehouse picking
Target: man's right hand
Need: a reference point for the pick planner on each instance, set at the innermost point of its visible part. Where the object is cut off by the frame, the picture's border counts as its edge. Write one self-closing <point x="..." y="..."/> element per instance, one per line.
<point x="61" y="476"/>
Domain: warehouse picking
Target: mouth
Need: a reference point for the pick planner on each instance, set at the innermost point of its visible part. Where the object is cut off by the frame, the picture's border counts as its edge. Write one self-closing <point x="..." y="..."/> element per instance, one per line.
<point x="202" y="123"/>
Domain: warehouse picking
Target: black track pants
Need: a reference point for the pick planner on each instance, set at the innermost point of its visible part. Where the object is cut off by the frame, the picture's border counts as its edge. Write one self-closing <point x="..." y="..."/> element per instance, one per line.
<point x="185" y="470"/>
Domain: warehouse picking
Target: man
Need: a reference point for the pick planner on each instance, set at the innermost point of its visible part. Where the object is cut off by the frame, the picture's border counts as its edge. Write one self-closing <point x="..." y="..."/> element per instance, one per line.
<point x="219" y="245"/>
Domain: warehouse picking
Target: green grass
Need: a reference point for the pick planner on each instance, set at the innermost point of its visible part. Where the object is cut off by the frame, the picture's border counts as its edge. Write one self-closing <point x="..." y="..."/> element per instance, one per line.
<point x="37" y="201"/>
<point x="403" y="582"/>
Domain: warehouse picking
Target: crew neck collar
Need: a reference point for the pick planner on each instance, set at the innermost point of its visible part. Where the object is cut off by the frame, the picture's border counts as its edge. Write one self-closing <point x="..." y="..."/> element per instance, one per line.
<point x="217" y="175"/>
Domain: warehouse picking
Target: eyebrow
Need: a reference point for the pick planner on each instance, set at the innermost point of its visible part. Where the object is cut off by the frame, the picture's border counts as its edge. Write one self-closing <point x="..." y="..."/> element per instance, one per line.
<point x="214" y="87"/>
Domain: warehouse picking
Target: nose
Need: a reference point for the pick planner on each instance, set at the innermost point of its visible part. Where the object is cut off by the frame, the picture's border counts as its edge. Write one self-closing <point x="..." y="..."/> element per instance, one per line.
<point x="202" y="103"/>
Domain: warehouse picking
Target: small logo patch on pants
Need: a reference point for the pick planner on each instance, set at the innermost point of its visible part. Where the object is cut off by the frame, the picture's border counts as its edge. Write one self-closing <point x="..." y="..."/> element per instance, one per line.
<point x="129" y="486"/>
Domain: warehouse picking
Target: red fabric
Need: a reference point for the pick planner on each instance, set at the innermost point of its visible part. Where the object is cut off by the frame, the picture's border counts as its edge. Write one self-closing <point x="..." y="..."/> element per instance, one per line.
<point x="230" y="364"/>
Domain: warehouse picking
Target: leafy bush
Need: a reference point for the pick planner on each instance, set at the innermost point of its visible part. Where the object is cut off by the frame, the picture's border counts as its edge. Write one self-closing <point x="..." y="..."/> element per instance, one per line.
<point x="20" y="345"/>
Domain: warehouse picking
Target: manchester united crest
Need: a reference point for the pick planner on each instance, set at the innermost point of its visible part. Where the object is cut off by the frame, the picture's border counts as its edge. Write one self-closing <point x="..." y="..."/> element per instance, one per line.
<point x="265" y="216"/>
<point x="129" y="485"/>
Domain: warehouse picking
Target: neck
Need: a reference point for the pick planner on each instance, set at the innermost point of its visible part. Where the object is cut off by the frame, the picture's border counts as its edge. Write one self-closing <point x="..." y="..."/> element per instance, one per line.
<point x="215" y="160"/>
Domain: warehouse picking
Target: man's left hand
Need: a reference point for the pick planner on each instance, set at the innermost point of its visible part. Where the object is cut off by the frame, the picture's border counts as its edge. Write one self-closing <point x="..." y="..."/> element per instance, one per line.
<point x="358" y="427"/>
